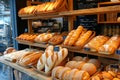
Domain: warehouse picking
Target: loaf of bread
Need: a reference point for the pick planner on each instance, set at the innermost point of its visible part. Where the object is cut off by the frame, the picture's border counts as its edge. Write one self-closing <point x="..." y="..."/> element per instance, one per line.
<point x="68" y="37"/>
<point x="44" y="37"/>
<point x="9" y="50"/>
<point x="75" y="36"/>
<point x="95" y="62"/>
<point x="83" y="38"/>
<point x="96" y="42"/>
<point x="90" y="68"/>
<point x="56" y="39"/>
<point x="110" y="46"/>
<point x="30" y="59"/>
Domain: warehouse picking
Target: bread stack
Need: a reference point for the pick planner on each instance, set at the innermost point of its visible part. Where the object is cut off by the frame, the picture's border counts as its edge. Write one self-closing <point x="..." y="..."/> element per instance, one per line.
<point x="43" y="38"/>
<point x="27" y="37"/>
<point x="95" y="43"/>
<point x="66" y="73"/>
<point x="50" y="59"/>
<point x="110" y="46"/>
<point x="78" y="37"/>
<point x="47" y="7"/>
<point x="106" y="75"/>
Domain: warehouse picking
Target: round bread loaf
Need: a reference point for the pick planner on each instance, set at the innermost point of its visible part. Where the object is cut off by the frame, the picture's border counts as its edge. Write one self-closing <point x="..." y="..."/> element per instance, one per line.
<point x="95" y="62"/>
<point x="90" y="68"/>
<point x="77" y="58"/>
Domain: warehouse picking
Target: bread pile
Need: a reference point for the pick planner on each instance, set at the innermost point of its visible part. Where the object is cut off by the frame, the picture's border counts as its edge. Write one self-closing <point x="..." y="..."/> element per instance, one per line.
<point x="54" y="6"/>
<point x="51" y="58"/>
<point x="86" y="64"/>
<point x="103" y="44"/>
<point x="110" y="46"/>
<point x="66" y="73"/>
<point x="78" y="37"/>
<point x="17" y="55"/>
<point x="27" y="37"/>
<point x="43" y="38"/>
<point x="107" y="75"/>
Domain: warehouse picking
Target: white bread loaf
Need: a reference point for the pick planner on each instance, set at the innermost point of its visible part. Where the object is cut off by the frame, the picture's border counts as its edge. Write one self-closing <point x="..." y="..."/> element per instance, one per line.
<point x="72" y="74"/>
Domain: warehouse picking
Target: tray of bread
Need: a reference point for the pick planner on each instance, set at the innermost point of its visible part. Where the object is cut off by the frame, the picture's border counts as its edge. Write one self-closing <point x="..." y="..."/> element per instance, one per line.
<point x="103" y="44"/>
<point x="79" y="68"/>
<point x="53" y="56"/>
<point x="111" y="72"/>
<point x="76" y="39"/>
<point x="51" y="8"/>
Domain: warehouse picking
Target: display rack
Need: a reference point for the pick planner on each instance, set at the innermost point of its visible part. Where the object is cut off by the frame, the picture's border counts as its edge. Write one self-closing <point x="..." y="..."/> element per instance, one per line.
<point x="70" y="14"/>
<point x="28" y="71"/>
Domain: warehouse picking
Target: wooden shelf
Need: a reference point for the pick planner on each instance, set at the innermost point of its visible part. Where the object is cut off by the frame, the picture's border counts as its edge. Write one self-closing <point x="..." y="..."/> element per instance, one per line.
<point x="72" y="49"/>
<point x="91" y="11"/>
<point x="28" y="71"/>
<point x="32" y="44"/>
<point x="109" y="22"/>
<point x="113" y="56"/>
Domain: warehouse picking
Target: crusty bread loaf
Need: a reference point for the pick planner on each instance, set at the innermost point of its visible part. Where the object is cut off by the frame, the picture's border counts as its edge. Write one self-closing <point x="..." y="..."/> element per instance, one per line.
<point x="90" y="68"/>
<point x="95" y="62"/>
<point x="68" y="37"/>
<point x="31" y="59"/>
<point x="96" y="42"/>
<point x="72" y="74"/>
<point x="75" y="36"/>
<point x="70" y="64"/>
<point x="82" y="39"/>
<point x="110" y="46"/>
<point x="77" y="58"/>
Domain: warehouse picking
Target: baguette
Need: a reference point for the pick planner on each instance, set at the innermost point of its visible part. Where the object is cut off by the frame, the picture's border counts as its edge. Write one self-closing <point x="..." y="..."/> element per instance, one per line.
<point x="82" y="39"/>
<point x="68" y="37"/>
<point x="57" y="4"/>
<point x="75" y="36"/>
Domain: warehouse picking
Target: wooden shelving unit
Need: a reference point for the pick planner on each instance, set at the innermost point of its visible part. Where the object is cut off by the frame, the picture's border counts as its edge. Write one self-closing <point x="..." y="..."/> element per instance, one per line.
<point x="108" y="17"/>
<point x="28" y="71"/>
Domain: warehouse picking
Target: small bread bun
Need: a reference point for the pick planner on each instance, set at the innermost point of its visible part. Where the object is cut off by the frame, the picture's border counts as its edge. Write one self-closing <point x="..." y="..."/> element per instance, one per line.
<point x="61" y="73"/>
<point x="77" y="58"/>
<point x="79" y="65"/>
<point x="112" y="73"/>
<point x="56" y="71"/>
<point x="85" y="59"/>
<point x="66" y="74"/>
<point x="90" y="68"/>
<point x="95" y="78"/>
<point x="71" y="64"/>
<point x="107" y="75"/>
<point x="72" y="74"/>
<point x="116" y="79"/>
<point x="81" y="75"/>
<point x="95" y="62"/>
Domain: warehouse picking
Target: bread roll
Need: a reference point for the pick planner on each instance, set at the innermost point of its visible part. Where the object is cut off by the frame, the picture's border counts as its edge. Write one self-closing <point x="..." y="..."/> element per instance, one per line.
<point x="95" y="62"/>
<point x="85" y="59"/>
<point x="81" y="75"/>
<point x="90" y="68"/>
<point x="75" y="36"/>
<point x="96" y="42"/>
<point x="68" y="37"/>
<point x="62" y="73"/>
<point x="77" y="58"/>
<point x="72" y="74"/>
<point x="57" y="4"/>
<point x="56" y="71"/>
<point x="82" y="39"/>
<point x="79" y="65"/>
<point x="116" y="79"/>
<point x="66" y="74"/>
<point x="107" y="75"/>
<point x="110" y="46"/>
<point x="95" y="78"/>
<point x="71" y="64"/>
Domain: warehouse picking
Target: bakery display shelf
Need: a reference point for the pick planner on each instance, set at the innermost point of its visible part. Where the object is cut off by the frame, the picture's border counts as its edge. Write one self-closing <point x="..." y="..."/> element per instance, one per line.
<point x="28" y="71"/>
<point x="91" y="11"/>
<point x="113" y="56"/>
<point x="109" y="22"/>
<point x="42" y="45"/>
<point x="41" y="16"/>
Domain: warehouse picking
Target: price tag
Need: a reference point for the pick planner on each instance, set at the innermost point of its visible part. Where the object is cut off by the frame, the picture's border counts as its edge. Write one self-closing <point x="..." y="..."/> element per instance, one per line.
<point x="86" y="49"/>
<point x="118" y="52"/>
<point x="115" y="66"/>
<point x="56" y="48"/>
<point x="64" y="37"/>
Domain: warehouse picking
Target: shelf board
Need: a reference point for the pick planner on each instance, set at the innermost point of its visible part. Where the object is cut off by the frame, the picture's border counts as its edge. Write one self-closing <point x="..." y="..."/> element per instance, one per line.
<point x="32" y="44"/>
<point x="41" y="16"/>
<point x="92" y="11"/>
<point x="109" y="3"/>
<point x="29" y="71"/>
<point x="109" y="22"/>
<point x="113" y="56"/>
